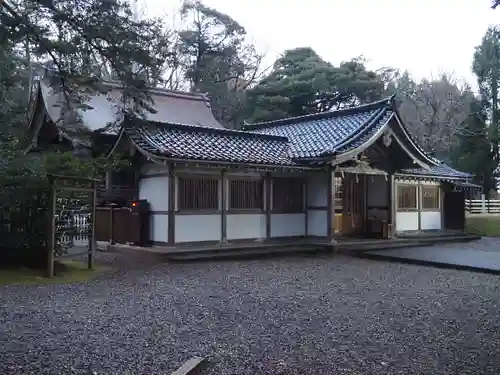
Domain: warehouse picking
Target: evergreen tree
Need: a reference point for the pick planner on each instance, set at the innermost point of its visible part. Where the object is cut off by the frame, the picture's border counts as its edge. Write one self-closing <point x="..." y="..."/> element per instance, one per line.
<point x="473" y="152"/>
<point x="85" y="41"/>
<point x="486" y="66"/>
<point x="216" y="59"/>
<point x="302" y="83"/>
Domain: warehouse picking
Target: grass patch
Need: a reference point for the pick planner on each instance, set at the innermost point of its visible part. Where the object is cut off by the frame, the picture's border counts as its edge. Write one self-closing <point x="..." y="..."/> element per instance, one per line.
<point x="70" y="271"/>
<point x="483" y="225"/>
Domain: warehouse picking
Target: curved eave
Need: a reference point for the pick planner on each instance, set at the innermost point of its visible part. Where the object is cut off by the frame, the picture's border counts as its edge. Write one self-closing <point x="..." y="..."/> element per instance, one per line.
<point x="377" y="134"/>
<point x="165" y="159"/>
<point x="419" y="151"/>
<point x="383" y="103"/>
<point x="358" y="134"/>
<point x="327" y="155"/>
<point x="431" y="177"/>
<point x="337" y="158"/>
<point x="407" y="144"/>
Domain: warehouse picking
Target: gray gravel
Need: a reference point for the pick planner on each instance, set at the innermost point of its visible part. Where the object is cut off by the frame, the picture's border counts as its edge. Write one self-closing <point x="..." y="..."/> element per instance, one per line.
<point x="287" y="315"/>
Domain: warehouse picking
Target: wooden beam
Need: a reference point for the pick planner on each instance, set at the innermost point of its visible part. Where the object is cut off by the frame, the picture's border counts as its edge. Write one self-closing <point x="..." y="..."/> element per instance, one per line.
<point x="171" y="204"/>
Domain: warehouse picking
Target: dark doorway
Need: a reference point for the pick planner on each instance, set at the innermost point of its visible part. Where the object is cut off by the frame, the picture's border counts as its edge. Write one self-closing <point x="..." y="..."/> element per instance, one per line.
<point x="454" y="210"/>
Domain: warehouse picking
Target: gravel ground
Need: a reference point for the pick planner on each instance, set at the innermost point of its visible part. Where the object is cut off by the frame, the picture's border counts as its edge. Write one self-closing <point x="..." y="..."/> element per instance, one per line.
<point x="488" y="244"/>
<point x="286" y="315"/>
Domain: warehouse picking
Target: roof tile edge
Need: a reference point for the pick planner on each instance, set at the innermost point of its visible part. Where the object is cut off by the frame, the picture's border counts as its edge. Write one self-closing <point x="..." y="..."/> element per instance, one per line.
<point x="386" y="102"/>
<point x="204" y="129"/>
<point x="166" y="92"/>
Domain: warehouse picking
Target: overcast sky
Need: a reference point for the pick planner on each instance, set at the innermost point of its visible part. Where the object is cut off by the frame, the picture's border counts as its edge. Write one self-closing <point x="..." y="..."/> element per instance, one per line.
<point x="426" y="36"/>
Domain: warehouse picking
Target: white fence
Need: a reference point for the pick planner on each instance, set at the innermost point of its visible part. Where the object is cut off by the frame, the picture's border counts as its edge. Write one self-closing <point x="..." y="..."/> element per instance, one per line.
<point x="482" y="206"/>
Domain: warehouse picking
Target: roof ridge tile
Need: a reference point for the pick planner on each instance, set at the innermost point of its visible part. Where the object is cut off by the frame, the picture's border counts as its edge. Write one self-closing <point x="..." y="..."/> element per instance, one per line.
<point x="322" y="115"/>
<point x="204" y="129"/>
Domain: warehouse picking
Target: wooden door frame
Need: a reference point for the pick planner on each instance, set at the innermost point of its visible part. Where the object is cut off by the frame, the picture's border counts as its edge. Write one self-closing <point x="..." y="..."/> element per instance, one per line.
<point x="355" y="190"/>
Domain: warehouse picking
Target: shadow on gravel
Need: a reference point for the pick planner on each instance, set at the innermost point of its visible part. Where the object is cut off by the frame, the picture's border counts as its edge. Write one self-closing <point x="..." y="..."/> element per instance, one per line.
<point x="426" y="263"/>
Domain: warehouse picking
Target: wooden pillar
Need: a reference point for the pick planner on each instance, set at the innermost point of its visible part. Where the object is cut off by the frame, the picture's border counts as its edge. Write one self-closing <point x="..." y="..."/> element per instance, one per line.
<point x="51" y="221"/>
<point x="365" y="202"/>
<point x="92" y="237"/>
<point x="268" y="188"/>
<point x="223" y="211"/>
<point x="171" y="204"/>
<point x="108" y="181"/>
<point x="441" y="205"/>
<point x="390" y="201"/>
<point x="306" y="204"/>
<point x="330" y="207"/>
<point x="419" y="205"/>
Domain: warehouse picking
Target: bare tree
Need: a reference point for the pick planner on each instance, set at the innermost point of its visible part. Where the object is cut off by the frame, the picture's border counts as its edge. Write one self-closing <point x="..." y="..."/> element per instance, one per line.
<point x="435" y="110"/>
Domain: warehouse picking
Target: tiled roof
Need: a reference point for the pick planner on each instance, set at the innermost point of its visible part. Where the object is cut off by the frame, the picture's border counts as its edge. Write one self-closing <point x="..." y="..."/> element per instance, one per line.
<point x="201" y="143"/>
<point x="363" y="136"/>
<point x="441" y="170"/>
<point x="328" y="132"/>
<point x="282" y="142"/>
<point x="105" y="108"/>
<point x="468" y="185"/>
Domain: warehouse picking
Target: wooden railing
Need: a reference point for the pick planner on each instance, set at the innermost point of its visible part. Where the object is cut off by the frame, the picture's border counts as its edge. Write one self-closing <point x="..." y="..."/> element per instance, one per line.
<point x="482" y="206"/>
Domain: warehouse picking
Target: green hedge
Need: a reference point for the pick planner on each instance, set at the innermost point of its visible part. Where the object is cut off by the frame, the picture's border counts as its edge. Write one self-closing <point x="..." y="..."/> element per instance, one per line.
<point x="24" y="225"/>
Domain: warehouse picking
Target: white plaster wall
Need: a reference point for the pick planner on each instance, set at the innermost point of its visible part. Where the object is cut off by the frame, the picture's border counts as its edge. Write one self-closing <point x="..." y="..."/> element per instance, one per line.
<point x="158" y="226"/>
<point x="155" y="190"/>
<point x="317" y="189"/>
<point x="317" y="223"/>
<point x="287" y="225"/>
<point x="430" y="220"/>
<point x="406" y="221"/>
<point x="193" y="228"/>
<point x="241" y="226"/>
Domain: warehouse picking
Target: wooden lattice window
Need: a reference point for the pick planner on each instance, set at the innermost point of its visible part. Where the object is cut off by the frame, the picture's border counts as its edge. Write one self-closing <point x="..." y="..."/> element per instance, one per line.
<point x="430" y="198"/>
<point x="198" y="194"/>
<point x="246" y="194"/>
<point x="407" y="197"/>
<point x="288" y="195"/>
